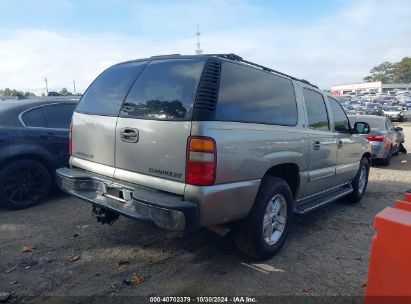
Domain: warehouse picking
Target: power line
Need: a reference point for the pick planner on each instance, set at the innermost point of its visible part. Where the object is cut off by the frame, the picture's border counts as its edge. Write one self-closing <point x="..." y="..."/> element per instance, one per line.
<point x="198" y="50"/>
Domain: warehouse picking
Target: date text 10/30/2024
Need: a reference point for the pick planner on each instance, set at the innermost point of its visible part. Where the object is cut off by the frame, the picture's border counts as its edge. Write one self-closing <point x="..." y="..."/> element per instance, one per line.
<point x="236" y="299"/>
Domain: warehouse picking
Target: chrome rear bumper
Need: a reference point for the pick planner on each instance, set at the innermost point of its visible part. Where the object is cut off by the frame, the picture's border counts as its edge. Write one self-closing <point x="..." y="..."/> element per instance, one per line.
<point x="166" y="210"/>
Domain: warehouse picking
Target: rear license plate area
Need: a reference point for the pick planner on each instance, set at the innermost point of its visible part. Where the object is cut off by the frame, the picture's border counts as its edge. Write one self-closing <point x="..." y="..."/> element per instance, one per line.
<point x="114" y="193"/>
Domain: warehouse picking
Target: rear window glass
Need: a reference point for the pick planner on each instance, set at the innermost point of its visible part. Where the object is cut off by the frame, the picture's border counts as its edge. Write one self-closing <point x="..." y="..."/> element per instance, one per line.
<point x="250" y="95"/>
<point x="35" y="118"/>
<point x="58" y="116"/>
<point x="106" y="94"/>
<point x="165" y="90"/>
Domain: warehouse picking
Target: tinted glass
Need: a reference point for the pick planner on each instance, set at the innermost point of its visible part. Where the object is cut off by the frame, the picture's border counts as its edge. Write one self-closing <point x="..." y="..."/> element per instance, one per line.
<point x="250" y="95"/>
<point x="58" y="116"/>
<point x="35" y="118"/>
<point x="316" y="110"/>
<point x="106" y="94"/>
<point x="340" y="118"/>
<point x="165" y="90"/>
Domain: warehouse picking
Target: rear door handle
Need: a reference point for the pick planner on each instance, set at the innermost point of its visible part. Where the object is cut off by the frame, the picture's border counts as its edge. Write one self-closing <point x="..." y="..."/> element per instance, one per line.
<point x="316" y="145"/>
<point x="339" y="144"/>
<point x="129" y="135"/>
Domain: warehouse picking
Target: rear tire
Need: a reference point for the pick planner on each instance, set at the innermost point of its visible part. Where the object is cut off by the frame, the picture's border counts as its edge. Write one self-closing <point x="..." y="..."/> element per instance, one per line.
<point x="402" y="149"/>
<point x="23" y="183"/>
<point x="360" y="182"/>
<point x="397" y="151"/>
<point x="266" y="227"/>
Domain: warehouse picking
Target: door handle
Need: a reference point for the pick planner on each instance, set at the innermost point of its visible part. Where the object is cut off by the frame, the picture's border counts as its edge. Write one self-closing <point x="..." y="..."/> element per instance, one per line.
<point x="129" y="135"/>
<point x="316" y="145"/>
<point x="339" y="144"/>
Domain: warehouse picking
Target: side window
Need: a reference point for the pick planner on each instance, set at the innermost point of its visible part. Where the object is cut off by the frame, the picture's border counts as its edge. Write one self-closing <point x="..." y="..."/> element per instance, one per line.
<point x="316" y="110"/>
<point x="34" y="118"/>
<point x="58" y="116"/>
<point x="250" y="95"/>
<point x="106" y="94"/>
<point x="340" y="118"/>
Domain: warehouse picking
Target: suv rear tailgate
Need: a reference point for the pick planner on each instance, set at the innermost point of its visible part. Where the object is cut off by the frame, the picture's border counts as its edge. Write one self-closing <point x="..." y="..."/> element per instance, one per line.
<point x="95" y="119"/>
<point x="155" y="123"/>
<point x="159" y="152"/>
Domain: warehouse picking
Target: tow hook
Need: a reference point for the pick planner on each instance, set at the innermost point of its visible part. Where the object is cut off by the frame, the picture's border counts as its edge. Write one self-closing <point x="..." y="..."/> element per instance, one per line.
<point x="104" y="216"/>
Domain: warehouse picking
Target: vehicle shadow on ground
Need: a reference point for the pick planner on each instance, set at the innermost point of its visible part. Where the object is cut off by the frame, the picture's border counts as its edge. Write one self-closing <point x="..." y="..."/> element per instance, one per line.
<point x="315" y="240"/>
<point x="376" y="190"/>
<point x="204" y="245"/>
<point x="396" y="163"/>
<point x="55" y="194"/>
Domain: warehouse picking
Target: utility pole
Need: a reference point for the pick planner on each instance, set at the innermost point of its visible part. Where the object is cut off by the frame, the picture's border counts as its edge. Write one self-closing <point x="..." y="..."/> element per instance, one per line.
<point x="74" y="87"/>
<point x="198" y="50"/>
<point x="47" y="88"/>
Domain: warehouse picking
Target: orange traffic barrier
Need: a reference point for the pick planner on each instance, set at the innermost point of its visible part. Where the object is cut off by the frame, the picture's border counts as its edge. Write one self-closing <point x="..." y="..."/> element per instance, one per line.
<point x="389" y="272"/>
<point x="404" y="205"/>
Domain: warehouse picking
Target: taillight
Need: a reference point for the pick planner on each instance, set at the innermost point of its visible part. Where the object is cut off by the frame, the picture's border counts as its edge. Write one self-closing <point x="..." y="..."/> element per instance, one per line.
<point x="71" y="140"/>
<point x="376" y="137"/>
<point x="201" y="161"/>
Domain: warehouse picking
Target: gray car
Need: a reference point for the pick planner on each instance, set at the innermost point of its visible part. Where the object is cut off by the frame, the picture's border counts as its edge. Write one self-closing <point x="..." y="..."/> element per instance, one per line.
<point x="385" y="139"/>
<point x="197" y="141"/>
<point x="396" y="113"/>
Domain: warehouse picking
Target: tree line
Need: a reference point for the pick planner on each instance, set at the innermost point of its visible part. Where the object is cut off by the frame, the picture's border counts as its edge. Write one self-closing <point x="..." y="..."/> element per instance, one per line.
<point x="14" y="92"/>
<point x="387" y="72"/>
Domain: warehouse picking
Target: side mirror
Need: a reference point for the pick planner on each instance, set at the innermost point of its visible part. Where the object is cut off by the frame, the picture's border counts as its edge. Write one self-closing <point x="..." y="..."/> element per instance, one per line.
<point x="398" y="129"/>
<point x="362" y="127"/>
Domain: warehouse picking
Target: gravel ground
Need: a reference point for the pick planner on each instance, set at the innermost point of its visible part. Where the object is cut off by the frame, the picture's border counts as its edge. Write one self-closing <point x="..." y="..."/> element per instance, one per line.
<point x="326" y="253"/>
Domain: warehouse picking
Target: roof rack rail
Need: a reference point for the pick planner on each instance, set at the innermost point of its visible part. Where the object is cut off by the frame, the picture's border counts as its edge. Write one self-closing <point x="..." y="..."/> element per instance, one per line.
<point x="235" y="57"/>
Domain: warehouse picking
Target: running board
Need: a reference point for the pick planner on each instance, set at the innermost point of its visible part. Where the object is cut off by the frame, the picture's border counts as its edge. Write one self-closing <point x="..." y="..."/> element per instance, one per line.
<point x="310" y="203"/>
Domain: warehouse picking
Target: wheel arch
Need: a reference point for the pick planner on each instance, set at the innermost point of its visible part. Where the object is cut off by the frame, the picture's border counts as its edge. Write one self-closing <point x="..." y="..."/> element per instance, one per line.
<point x="368" y="156"/>
<point x="47" y="163"/>
<point x="289" y="172"/>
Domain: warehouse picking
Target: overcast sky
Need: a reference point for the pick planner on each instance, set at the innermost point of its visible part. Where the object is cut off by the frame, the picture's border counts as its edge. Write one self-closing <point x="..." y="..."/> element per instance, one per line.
<point x="326" y="42"/>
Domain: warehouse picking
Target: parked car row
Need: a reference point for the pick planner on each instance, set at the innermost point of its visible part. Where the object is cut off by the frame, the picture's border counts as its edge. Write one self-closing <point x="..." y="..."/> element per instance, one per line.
<point x="401" y="98"/>
<point x="395" y="113"/>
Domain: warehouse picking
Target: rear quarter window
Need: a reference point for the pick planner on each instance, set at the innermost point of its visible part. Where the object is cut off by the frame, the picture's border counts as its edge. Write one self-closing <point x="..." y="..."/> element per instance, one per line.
<point x="254" y="96"/>
<point x="55" y="116"/>
<point x="58" y="116"/>
<point x="34" y="118"/>
<point x="106" y="94"/>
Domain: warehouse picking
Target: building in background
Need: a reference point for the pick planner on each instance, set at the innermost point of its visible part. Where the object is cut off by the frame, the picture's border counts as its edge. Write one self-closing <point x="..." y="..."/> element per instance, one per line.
<point x="371" y="87"/>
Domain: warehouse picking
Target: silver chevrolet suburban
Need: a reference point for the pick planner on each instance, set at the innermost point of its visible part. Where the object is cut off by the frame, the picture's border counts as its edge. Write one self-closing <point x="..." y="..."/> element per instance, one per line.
<point x="196" y="141"/>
